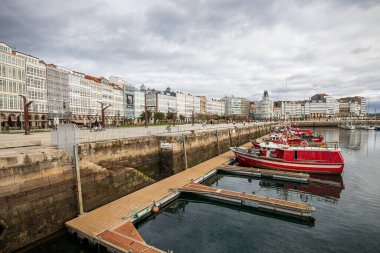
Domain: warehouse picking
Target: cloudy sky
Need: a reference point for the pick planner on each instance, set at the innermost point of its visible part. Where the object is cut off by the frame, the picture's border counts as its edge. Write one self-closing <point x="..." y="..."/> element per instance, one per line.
<point x="210" y="47"/>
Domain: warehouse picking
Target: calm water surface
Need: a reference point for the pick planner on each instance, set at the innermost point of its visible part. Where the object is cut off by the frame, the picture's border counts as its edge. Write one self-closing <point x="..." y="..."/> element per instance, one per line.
<point x="347" y="217"/>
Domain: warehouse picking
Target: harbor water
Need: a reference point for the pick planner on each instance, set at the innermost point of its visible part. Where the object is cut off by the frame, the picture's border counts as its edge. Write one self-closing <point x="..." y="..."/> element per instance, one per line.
<point x="347" y="217"/>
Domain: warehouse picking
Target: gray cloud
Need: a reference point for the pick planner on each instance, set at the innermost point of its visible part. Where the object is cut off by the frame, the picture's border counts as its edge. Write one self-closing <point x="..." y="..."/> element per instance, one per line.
<point x="360" y="50"/>
<point x="211" y="47"/>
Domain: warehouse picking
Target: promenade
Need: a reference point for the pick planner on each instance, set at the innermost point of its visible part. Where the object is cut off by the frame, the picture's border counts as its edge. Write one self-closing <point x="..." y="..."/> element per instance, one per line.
<point x="108" y="134"/>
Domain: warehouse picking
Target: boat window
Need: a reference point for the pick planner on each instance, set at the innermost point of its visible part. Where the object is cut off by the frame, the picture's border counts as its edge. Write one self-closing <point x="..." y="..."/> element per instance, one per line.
<point x="295" y="155"/>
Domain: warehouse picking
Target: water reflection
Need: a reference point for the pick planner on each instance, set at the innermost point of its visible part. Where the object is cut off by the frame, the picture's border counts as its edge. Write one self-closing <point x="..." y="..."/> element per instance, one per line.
<point x="179" y="206"/>
<point x="326" y="188"/>
<point x="350" y="139"/>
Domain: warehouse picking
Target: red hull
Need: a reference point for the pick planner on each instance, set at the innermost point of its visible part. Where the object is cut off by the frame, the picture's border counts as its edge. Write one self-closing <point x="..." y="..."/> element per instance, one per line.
<point x="277" y="164"/>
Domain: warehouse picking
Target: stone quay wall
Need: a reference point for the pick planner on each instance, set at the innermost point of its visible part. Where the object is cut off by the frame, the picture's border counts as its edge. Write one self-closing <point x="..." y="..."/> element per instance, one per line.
<point x="38" y="190"/>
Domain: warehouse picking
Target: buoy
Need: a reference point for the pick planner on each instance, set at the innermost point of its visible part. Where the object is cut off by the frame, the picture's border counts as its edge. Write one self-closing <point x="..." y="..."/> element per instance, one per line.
<point x="155" y="208"/>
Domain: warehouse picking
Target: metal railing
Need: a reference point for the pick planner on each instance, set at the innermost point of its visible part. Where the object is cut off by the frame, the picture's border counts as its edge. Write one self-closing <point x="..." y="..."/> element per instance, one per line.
<point x="134" y="132"/>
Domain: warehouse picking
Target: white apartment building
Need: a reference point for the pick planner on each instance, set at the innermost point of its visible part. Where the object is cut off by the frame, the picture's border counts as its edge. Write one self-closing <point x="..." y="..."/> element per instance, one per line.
<point x="79" y="96"/>
<point x="158" y="101"/>
<point x="305" y="108"/>
<point x="363" y="106"/>
<point x="332" y="106"/>
<point x="36" y="90"/>
<point x="12" y="84"/>
<point x="118" y="102"/>
<point x="57" y="82"/>
<point x="181" y="103"/>
<point x="215" y="107"/>
<point x="354" y="108"/>
<point x="192" y="105"/>
<point x="233" y="106"/>
<point x="139" y="103"/>
<point x="317" y="109"/>
<point x="264" y="108"/>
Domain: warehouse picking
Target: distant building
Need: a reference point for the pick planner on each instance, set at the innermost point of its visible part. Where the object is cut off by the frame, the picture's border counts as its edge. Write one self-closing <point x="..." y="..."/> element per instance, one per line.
<point x="352" y="106"/>
<point x="236" y="106"/>
<point x="264" y="107"/>
<point x="203" y="105"/>
<point x="215" y="107"/>
<point x="323" y="105"/>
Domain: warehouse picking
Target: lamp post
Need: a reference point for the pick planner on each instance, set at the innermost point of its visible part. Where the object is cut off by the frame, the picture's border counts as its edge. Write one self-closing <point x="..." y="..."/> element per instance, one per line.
<point x="103" y="109"/>
<point x="26" y="114"/>
<point x="145" y="112"/>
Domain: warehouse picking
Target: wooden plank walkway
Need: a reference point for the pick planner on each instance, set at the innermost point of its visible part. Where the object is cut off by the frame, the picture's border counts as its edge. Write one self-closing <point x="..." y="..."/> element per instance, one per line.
<point x="267" y="203"/>
<point x="124" y="237"/>
<point x="275" y="174"/>
<point x="93" y="223"/>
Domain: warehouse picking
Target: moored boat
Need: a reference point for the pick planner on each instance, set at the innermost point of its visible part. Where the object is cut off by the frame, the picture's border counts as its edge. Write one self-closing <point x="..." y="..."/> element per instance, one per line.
<point x="301" y="159"/>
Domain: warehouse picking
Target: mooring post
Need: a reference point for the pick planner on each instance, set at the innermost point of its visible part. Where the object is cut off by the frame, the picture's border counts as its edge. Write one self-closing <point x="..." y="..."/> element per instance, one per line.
<point x="217" y="140"/>
<point x="184" y="149"/>
<point x="79" y="184"/>
<point x="229" y="133"/>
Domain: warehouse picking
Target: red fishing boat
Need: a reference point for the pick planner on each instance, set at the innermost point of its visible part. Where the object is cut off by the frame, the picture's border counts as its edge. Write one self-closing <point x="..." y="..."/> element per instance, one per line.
<point x="327" y="160"/>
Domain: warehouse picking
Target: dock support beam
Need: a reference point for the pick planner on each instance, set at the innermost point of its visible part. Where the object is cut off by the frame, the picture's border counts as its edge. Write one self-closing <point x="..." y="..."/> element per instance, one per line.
<point x="217" y="141"/>
<point x="184" y="149"/>
<point x="79" y="184"/>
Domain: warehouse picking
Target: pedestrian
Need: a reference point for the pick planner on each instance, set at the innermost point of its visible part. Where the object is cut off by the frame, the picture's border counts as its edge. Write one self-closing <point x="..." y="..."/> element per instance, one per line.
<point x="7" y="128"/>
<point x="168" y="129"/>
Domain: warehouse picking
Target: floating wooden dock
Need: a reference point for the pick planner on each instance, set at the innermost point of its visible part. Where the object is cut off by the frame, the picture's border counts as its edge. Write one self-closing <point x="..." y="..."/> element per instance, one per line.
<point x="274" y="174"/>
<point x="282" y="175"/>
<point x="91" y="225"/>
<point x="125" y="238"/>
<point x="112" y="224"/>
<point x="273" y="205"/>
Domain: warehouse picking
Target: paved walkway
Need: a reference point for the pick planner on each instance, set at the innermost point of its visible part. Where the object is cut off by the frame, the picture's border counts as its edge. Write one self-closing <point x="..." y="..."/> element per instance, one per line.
<point x="108" y="134"/>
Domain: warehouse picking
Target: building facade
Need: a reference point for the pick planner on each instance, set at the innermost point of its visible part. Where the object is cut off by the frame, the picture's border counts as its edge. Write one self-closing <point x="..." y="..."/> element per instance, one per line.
<point x="12" y="84"/>
<point x="57" y="84"/>
<point x="264" y="108"/>
<point x="36" y="90"/>
<point x="215" y="107"/>
<point x="236" y="108"/>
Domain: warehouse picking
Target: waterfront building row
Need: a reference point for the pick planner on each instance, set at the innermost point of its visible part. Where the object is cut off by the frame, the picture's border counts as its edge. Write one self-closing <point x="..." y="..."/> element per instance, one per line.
<point x="318" y="106"/>
<point x="61" y="95"/>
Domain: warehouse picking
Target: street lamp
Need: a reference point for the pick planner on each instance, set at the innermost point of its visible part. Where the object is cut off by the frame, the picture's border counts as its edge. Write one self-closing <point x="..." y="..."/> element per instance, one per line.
<point x="103" y="109"/>
<point x="26" y="114"/>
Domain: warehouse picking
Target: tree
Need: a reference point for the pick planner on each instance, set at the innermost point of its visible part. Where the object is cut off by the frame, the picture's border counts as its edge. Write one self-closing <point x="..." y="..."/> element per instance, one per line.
<point x="159" y="116"/>
<point x="169" y="116"/>
<point x="181" y="117"/>
<point x="142" y="115"/>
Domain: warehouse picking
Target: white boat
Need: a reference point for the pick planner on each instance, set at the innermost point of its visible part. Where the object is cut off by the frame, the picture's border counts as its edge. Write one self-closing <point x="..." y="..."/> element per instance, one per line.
<point x="370" y="128"/>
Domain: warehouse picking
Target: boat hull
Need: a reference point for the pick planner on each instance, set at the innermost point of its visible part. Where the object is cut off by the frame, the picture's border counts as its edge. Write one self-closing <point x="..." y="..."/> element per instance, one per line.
<point x="267" y="163"/>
